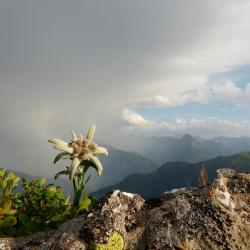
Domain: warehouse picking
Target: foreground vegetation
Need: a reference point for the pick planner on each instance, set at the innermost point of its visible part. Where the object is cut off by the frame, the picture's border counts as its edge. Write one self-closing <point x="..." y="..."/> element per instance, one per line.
<point x="39" y="207"/>
<point x="42" y="206"/>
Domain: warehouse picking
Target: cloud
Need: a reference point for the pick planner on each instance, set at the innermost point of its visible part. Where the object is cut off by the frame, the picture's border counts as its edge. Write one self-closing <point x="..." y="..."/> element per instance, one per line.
<point x="135" y="119"/>
<point x="203" y="95"/>
<point x="230" y="92"/>
<point x="161" y="101"/>
<point x="67" y="65"/>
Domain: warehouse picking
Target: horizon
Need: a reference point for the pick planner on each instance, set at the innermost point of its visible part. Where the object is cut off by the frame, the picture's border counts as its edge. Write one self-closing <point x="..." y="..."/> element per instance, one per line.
<point x="128" y="150"/>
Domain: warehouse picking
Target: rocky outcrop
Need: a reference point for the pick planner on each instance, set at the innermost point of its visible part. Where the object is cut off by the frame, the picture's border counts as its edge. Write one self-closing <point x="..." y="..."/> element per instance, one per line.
<point x="214" y="217"/>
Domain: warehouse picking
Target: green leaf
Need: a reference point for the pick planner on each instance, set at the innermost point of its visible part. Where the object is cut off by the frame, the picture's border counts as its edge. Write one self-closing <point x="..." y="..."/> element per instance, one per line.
<point x="42" y="182"/>
<point x="4" y="183"/>
<point x="37" y="190"/>
<point x="2" y="172"/>
<point x="76" y="183"/>
<point x="49" y="194"/>
<point x="15" y="182"/>
<point x="66" y="172"/>
<point x="25" y="183"/>
<point x="7" y="222"/>
<point x="33" y="202"/>
<point x="24" y="219"/>
<point x="63" y="156"/>
<point x="11" y="211"/>
<point x="57" y="217"/>
<point x="11" y="176"/>
<point x="86" y="164"/>
<point x="85" y="203"/>
<point x="67" y="201"/>
<point x="7" y="203"/>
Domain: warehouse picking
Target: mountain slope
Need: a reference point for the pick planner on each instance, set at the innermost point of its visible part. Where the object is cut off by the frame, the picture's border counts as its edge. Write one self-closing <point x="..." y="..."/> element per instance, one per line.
<point x="176" y="175"/>
<point x="118" y="165"/>
<point x="188" y="148"/>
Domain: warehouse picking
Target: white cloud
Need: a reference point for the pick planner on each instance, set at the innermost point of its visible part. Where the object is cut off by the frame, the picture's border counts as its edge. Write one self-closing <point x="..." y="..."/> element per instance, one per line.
<point x="219" y="49"/>
<point x="203" y="95"/>
<point x="161" y="101"/>
<point x="230" y="92"/>
<point x="135" y="119"/>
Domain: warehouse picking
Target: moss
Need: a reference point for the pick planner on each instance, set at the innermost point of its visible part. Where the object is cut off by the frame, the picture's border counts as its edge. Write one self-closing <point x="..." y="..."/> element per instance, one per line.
<point x="115" y="242"/>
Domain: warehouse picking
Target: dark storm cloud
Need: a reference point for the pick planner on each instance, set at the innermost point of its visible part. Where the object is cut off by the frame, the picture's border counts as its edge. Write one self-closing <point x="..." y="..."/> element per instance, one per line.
<point x="67" y="64"/>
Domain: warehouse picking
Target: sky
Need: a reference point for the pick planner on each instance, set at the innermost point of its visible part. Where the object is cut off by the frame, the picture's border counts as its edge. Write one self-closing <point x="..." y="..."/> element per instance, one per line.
<point x="154" y="68"/>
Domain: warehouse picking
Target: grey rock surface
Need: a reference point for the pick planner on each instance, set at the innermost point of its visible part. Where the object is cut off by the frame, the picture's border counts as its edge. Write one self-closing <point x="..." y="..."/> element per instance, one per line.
<point x="213" y="217"/>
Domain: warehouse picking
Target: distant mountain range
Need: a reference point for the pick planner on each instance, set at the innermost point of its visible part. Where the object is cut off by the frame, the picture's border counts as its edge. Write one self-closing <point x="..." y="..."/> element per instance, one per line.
<point x="186" y="148"/>
<point x="176" y="175"/>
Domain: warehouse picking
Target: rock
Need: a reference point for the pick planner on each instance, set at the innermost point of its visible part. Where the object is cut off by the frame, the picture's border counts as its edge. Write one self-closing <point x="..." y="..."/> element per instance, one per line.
<point x="118" y="212"/>
<point x="66" y="237"/>
<point x="213" y="217"/>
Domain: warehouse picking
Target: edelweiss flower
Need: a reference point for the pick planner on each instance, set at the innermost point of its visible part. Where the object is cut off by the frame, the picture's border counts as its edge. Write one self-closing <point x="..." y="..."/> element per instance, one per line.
<point x="79" y="150"/>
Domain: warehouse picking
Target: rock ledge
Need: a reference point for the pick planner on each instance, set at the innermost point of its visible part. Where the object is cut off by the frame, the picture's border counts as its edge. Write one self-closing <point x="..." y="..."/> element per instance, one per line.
<point x="213" y="217"/>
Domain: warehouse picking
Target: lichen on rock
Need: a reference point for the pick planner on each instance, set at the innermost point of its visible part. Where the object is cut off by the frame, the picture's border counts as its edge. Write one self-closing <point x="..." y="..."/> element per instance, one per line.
<point x="115" y="242"/>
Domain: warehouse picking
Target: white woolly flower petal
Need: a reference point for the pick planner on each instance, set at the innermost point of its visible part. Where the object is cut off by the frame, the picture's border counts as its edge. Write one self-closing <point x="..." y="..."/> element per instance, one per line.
<point x="91" y="133"/>
<point x="97" y="163"/>
<point x="100" y="151"/>
<point x="73" y="133"/>
<point x="58" y="142"/>
<point x="81" y="136"/>
<point x="75" y="163"/>
<point x="64" y="148"/>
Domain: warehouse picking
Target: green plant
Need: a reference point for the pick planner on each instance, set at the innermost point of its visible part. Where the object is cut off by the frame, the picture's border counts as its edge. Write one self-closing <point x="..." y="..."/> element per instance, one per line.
<point x="37" y="208"/>
<point x="8" y="200"/>
<point x="41" y="206"/>
<point x="84" y="154"/>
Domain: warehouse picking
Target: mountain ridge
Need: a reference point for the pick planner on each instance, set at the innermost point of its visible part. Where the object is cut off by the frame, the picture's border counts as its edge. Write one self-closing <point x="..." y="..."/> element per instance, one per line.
<point x="177" y="175"/>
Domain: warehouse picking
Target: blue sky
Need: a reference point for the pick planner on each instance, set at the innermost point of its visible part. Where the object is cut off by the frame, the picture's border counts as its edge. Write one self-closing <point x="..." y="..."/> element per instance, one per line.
<point x="238" y="74"/>
<point x="217" y="109"/>
<point x="226" y="103"/>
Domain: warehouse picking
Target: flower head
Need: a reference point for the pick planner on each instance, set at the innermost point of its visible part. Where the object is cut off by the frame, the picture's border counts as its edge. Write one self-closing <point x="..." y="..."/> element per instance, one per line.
<point x="79" y="150"/>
